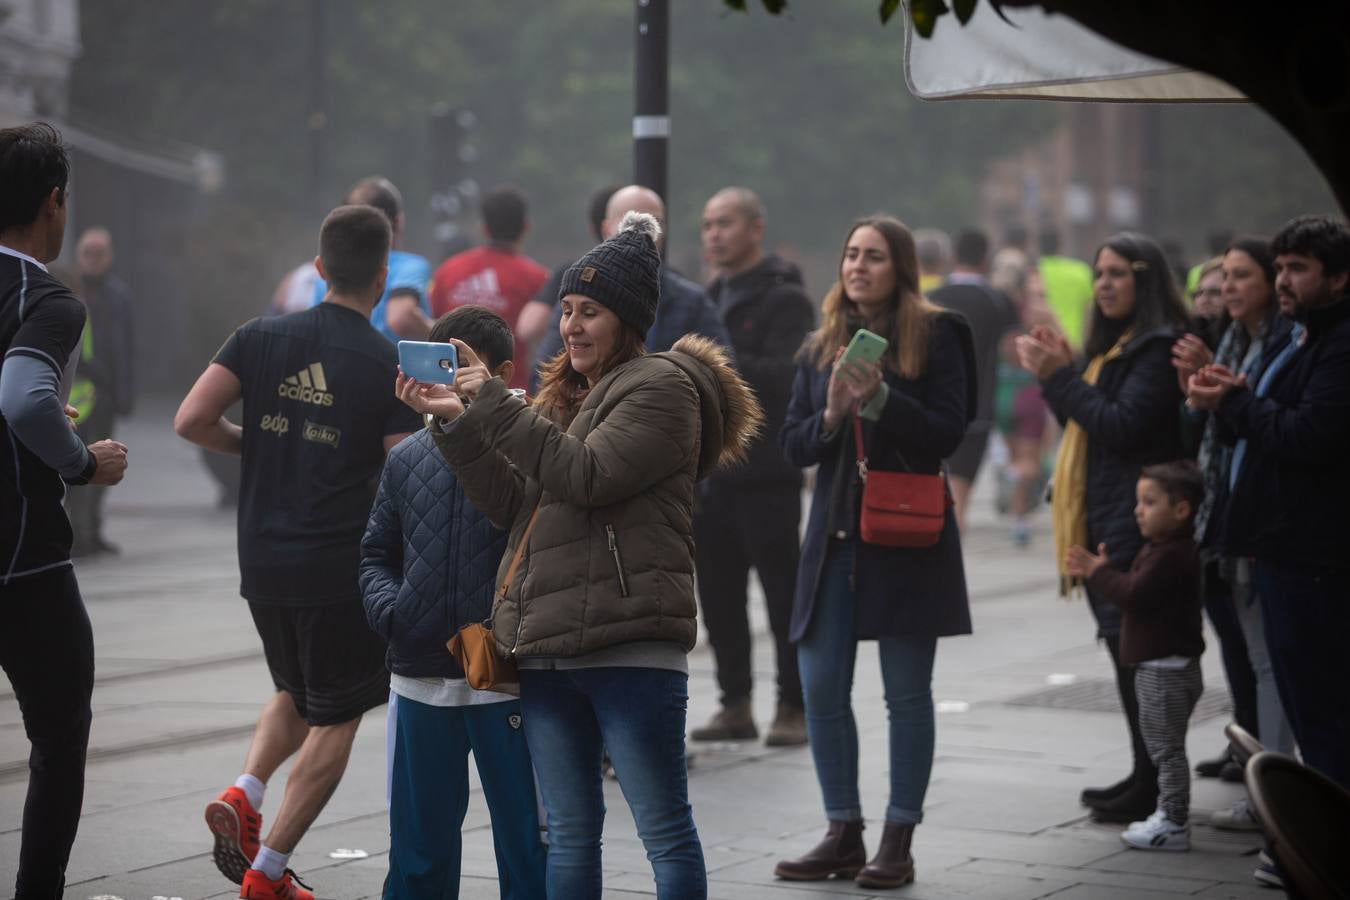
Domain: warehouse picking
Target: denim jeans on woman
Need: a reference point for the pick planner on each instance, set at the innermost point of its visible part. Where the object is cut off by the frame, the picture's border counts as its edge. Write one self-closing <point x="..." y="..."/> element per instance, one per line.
<point x="826" y="656"/>
<point x="638" y="717"/>
<point x="1273" y="729"/>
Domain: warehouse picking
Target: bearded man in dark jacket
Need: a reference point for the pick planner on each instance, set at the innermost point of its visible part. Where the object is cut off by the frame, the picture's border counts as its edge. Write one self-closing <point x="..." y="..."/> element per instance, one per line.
<point x="1289" y="486"/>
<point x="749" y="517"/>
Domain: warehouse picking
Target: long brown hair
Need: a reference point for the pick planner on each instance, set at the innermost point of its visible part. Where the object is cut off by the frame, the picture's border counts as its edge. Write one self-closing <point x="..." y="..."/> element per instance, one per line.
<point x="562" y="389"/>
<point x="910" y="315"/>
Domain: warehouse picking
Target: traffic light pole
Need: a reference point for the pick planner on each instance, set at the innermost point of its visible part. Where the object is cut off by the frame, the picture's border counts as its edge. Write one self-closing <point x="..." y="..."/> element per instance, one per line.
<point x="651" y="117"/>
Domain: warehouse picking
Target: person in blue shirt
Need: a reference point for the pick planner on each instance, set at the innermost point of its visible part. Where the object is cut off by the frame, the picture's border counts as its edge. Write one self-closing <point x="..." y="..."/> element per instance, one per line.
<point x="403" y="312"/>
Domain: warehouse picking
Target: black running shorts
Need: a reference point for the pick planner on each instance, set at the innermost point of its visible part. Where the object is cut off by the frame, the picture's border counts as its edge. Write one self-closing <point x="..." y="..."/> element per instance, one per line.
<point x="326" y="657"/>
<point x="965" y="462"/>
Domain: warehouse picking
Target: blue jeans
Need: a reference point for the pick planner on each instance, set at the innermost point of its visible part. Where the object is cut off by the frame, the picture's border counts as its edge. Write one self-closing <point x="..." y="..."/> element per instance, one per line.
<point x="1273" y="729"/>
<point x="638" y="716"/>
<point x="826" y="656"/>
<point x="429" y="795"/>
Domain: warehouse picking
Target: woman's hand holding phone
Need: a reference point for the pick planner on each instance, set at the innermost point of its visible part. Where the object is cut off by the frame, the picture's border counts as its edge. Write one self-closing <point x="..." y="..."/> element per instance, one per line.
<point x="446" y="401"/>
<point x="852" y="381"/>
<point x="471" y="374"/>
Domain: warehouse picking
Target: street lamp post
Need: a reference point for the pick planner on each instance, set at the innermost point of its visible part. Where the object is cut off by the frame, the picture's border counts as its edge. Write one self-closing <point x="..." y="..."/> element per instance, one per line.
<point x="316" y="120"/>
<point x="651" y="117"/>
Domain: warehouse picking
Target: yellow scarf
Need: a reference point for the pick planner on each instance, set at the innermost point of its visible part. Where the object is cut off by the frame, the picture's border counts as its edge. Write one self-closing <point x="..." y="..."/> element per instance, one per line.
<point x="1068" y="491"/>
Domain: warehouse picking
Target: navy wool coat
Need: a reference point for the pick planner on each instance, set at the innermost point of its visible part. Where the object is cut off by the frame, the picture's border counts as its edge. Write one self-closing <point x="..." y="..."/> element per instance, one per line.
<point x="897" y="591"/>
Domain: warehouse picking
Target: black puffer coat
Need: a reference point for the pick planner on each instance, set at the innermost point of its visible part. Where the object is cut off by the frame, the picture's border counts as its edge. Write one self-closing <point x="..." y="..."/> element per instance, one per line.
<point x="1131" y="420"/>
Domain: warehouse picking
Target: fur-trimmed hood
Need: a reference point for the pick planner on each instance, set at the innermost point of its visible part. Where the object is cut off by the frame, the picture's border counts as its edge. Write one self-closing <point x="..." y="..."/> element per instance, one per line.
<point x="731" y="415"/>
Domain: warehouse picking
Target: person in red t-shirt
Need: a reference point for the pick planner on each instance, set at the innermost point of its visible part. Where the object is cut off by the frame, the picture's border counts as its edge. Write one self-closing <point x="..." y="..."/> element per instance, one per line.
<point x="496" y="275"/>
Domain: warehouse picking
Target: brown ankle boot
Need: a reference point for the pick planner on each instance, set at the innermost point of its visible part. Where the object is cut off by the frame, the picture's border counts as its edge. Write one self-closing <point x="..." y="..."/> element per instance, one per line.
<point x="892" y="866"/>
<point x="789" y="727"/>
<point x="734" y="722"/>
<point x="841" y="853"/>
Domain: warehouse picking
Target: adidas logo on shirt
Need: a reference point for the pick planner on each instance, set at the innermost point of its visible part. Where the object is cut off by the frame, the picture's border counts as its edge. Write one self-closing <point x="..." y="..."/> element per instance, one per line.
<point x="480" y="289"/>
<point x="308" y="386"/>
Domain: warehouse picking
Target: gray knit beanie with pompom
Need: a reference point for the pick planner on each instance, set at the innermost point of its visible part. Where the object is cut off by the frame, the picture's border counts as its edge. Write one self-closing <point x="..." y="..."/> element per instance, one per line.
<point x="623" y="273"/>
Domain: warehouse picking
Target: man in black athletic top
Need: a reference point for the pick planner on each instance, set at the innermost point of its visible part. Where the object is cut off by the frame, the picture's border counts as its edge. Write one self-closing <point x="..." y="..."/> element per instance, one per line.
<point x="318" y="418"/>
<point x="46" y="644"/>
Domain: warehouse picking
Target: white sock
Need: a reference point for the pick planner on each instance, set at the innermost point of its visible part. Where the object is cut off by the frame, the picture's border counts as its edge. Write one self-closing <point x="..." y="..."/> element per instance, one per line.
<point x="253" y="788"/>
<point x="271" y="863"/>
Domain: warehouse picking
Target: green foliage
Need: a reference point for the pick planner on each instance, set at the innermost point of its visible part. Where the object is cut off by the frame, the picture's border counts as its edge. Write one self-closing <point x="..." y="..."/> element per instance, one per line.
<point x="924" y="14"/>
<point x="808" y="108"/>
<point x="964" y="9"/>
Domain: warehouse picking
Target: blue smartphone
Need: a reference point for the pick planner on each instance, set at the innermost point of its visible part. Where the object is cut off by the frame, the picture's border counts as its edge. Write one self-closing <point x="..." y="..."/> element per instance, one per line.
<point x="428" y="362"/>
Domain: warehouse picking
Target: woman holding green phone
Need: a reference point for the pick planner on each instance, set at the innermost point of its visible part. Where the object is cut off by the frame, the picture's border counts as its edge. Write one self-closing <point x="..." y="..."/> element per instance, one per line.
<point x="915" y="399"/>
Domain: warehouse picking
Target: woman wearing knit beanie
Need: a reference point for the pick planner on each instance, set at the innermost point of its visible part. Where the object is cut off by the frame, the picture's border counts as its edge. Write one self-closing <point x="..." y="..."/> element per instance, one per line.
<point x="595" y="481"/>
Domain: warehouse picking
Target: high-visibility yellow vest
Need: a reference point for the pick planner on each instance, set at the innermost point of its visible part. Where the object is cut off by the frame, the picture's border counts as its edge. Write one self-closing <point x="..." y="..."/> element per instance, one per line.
<point x="82" y="393"/>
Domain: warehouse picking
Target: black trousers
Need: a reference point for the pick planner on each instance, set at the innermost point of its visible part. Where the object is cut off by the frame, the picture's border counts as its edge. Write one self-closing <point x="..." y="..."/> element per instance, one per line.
<point x="1237" y="665"/>
<point x="1307" y="616"/>
<point x="47" y="650"/>
<point x="1143" y="763"/>
<point x="735" y="529"/>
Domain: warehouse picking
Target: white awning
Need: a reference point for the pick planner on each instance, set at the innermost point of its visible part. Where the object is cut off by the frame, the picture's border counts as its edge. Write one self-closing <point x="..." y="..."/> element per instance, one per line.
<point x="1043" y="57"/>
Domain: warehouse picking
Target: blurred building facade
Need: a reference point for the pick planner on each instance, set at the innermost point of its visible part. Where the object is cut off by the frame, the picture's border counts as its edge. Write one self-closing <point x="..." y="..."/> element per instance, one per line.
<point x="147" y="192"/>
<point x="1086" y="180"/>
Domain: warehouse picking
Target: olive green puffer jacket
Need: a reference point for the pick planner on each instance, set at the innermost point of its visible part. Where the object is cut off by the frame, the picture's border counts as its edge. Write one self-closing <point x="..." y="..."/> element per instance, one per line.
<point x="611" y="556"/>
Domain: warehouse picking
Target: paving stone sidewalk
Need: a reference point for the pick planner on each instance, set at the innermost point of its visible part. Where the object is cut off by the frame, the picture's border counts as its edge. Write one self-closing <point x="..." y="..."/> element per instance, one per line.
<point x="1026" y="719"/>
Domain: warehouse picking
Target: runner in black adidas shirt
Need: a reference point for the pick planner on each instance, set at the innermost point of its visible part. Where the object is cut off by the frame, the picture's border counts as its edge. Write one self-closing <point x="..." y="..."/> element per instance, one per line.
<point x="318" y="418"/>
<point x="46" y="644"/>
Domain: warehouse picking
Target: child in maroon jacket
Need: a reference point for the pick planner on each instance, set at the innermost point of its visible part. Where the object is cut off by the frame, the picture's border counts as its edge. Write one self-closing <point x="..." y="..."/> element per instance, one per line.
<point x="1160" y="634"/>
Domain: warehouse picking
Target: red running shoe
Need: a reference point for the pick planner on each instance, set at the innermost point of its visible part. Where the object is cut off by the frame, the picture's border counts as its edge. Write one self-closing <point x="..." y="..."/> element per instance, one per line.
<point x="237" y="827"/>
<point x="257" y="886"/>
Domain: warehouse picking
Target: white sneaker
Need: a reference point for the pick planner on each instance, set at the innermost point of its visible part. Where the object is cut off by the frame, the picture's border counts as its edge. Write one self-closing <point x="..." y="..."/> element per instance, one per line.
<point x="1268" y="874"/>
<point x="1147" y="825"/>
<point x="1158" y="833"/>
<point x="1239" y="818"/>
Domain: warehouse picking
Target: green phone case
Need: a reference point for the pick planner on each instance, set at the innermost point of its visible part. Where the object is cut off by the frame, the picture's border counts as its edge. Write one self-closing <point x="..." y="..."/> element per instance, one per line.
<point x="866" y="346"/>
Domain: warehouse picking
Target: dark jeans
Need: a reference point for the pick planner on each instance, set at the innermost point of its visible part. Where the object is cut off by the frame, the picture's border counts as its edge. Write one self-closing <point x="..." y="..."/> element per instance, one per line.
<point x="430" y="795"/>
<point x="736" y="529"/>
<point x="1237" y="665"/>
<point x="47" y="650"/>
<point x="637" y="716"/>
<point x="1307" y="618"/>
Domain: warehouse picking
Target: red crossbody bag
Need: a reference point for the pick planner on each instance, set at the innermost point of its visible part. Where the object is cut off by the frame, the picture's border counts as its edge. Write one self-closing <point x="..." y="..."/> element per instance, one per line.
<point x="899" y="509"/>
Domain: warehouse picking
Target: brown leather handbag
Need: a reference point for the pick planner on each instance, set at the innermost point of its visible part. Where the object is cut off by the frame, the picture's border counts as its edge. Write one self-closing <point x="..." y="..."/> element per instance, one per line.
<point x="474" y="648"/>
<point x="899" y="509"/>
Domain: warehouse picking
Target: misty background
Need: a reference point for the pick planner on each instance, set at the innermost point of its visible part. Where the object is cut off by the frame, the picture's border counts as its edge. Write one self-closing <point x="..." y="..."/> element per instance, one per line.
<point x="300" y="98"/>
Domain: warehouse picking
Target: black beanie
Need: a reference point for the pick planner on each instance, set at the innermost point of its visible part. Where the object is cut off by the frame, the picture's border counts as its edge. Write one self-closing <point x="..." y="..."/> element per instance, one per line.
<point x="623" y="273"/>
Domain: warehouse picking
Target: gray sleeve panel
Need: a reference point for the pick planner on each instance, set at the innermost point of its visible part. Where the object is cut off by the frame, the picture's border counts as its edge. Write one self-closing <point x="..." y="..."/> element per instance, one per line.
<point x="32" y="407"/>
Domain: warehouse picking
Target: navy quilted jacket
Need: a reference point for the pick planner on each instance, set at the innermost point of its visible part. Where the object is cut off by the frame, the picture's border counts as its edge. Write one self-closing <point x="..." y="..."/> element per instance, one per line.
<point x="428" y="560"/>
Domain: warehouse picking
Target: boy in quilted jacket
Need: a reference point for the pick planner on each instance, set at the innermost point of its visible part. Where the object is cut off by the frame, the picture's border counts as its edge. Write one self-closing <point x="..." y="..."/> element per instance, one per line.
<point x="428" y="563"/>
